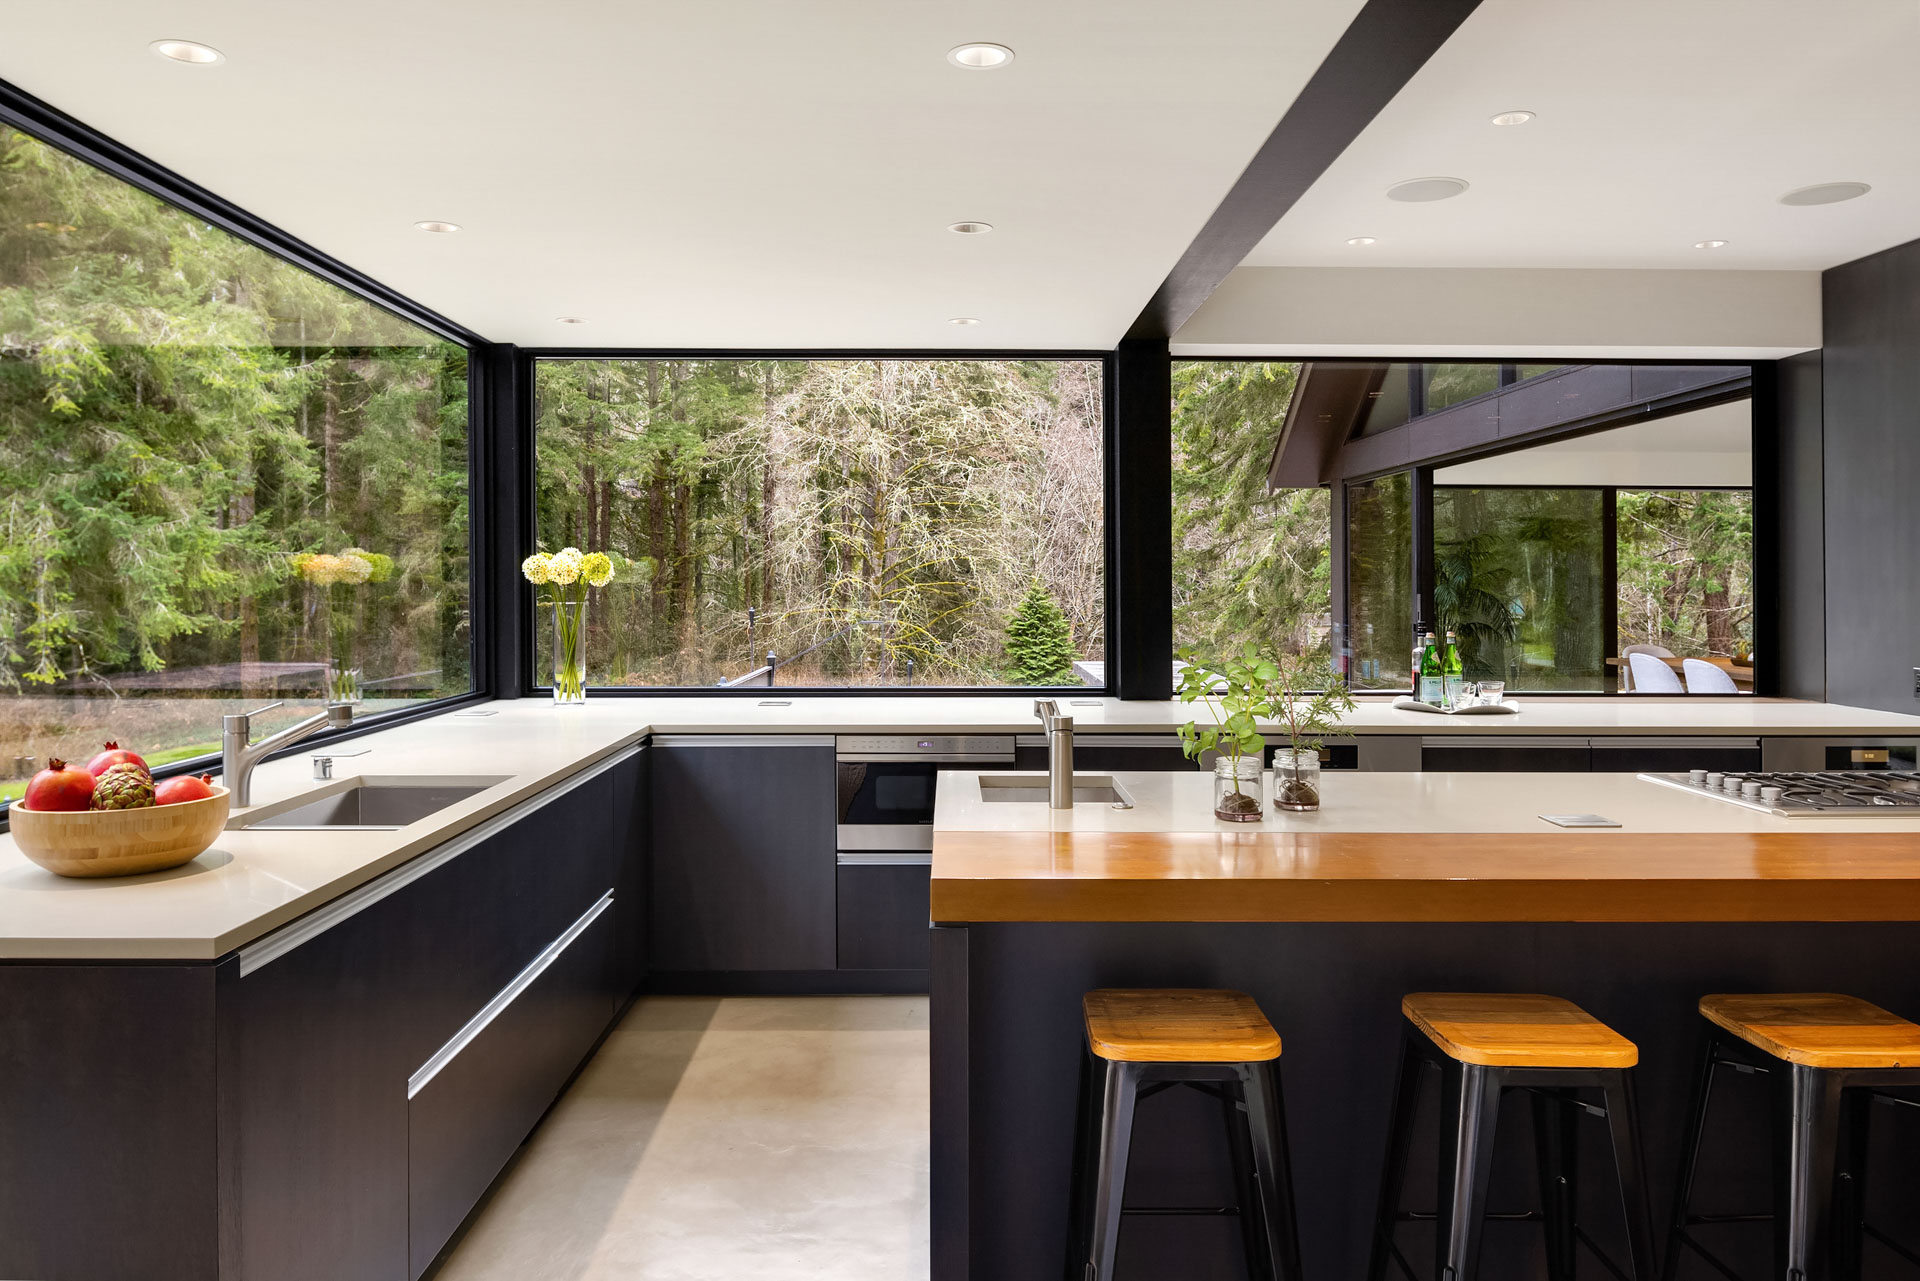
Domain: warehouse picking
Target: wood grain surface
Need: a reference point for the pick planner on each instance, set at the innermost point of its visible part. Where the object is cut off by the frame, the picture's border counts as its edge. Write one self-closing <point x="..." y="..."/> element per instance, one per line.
<point x="1552" y="876"/>
<point x="120" y="842"/>
<point x="1178" y="1025"/>
<point x="1512" y="1029"/>
<point x="1818" y="1029"/>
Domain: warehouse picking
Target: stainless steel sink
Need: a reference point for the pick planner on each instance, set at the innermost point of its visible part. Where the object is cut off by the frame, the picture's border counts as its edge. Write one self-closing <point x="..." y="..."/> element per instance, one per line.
<point x="367" y="804"/>
<point x="1088" y="789"/>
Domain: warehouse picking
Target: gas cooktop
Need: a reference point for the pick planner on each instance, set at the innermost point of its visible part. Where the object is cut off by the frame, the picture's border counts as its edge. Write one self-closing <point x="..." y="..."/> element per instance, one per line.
<point x="1814" y="794"/>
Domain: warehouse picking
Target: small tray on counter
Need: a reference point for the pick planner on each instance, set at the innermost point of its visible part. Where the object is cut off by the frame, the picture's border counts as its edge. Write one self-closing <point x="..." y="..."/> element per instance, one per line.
<point x="1408" y="703"/>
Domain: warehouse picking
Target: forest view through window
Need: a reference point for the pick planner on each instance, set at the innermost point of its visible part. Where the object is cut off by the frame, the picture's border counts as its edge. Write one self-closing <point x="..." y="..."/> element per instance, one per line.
<point x="223" y="480"/>
<point x="861" y="522"/>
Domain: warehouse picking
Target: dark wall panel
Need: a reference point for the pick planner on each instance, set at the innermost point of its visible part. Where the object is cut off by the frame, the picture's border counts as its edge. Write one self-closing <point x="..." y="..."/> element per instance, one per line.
<point x="1871" y="456"/>
<point x="1794" y="467"/>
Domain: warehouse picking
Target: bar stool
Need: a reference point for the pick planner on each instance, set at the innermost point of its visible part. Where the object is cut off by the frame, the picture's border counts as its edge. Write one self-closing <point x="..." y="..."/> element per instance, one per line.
<point x="1824" y="1056"/>
<point x="1143" y="1041"/>
<point x="1484" y="1045"/>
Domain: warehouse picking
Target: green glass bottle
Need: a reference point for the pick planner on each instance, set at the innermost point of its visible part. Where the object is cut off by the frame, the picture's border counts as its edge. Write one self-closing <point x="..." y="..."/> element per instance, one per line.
<point x="1432" y="687"/>
<point x="1453" y="674"/>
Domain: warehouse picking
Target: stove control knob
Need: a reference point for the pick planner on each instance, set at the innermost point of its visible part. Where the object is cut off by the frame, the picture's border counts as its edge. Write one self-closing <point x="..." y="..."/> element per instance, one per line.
<point x="1696" y="776"/>
<point x="1733" y="784"/>
<point x="1715" y="780"/>
<point x="1750" y="789"/>
<point x="1771" y="795"/>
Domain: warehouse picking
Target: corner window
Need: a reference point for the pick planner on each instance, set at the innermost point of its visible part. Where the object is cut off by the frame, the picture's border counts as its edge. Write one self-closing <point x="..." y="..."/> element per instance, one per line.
<point x="874" y="523"/>
<point x="225" y="480"/>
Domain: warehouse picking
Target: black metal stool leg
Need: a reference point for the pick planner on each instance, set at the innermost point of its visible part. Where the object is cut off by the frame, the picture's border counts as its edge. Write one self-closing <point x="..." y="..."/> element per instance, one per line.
<point x="1110" y="1179"/>
<point x="1690" y="1156"/>
<point x="1393" y="1174"/>
<point x="1273" y="1169"/>
<point x="1623" y="1122"/>
<point x="1086" y="1131"/>
<point x="1246" y="1188"/>
<point x="1556" y="1152"/>
<point x="1850" y="1196"/>
<point x="1469" y="1115"/>
<point x="1806" y="1141"/>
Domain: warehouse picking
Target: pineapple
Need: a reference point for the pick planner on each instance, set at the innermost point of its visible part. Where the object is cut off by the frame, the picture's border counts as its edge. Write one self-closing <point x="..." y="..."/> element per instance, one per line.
<point x="123" y="787"/>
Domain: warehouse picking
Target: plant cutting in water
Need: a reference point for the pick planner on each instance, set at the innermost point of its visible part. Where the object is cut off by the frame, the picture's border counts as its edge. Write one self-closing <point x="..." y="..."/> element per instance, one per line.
<point x="1235" y="693"/>
<point x="1309" y="697"/>
<point x="567" y="574"/>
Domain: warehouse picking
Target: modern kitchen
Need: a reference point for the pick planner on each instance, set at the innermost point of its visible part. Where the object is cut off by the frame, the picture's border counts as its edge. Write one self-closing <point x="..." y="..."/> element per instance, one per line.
<point x="1074" y="664"/>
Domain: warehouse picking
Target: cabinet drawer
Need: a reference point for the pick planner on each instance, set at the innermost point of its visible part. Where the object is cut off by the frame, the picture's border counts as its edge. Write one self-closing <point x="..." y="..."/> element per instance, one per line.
<point x="470" y="1106"/>
<point x="882" y="912"/>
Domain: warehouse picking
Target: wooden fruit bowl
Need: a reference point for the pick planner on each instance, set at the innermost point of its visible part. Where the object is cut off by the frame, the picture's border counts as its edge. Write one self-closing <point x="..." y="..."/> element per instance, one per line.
<point x="119" y="842"/>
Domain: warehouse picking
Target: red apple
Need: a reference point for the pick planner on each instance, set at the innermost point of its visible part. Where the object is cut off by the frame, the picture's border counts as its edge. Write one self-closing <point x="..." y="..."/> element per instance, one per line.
<point x="112" y="756"/>
<point x="59" y="786"/>
<point x="185" y="788"/>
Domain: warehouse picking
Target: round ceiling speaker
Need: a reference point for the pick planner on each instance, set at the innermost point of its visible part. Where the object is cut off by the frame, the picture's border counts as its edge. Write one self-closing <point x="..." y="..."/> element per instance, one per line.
<point x="1827" y="193"/>
<point x="1420" y="190"/>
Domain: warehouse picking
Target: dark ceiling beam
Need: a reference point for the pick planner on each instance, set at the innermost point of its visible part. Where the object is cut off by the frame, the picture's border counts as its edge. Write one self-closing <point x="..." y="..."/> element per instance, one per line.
<point x="1386" y="44"/>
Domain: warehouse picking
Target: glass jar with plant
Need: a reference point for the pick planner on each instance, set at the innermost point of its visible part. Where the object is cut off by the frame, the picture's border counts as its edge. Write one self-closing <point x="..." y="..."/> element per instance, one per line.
<point x="1235" y="694"/>
<point x="1307" y="698"/>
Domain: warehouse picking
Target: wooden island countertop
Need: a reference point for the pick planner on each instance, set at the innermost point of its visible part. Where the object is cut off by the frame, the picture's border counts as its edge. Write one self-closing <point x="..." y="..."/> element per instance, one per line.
<point x="1416" y="847"/>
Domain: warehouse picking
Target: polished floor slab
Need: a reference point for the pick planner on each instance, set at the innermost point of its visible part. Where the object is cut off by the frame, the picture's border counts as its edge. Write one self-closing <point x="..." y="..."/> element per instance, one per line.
<point x="771" y="1138"/>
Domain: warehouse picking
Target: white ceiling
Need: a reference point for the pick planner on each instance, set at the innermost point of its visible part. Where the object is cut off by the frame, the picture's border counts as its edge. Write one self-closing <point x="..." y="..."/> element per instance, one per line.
<point x="1703" y="448"/>
<point x="1659" y="123"/>
<point x="754" y="173"/>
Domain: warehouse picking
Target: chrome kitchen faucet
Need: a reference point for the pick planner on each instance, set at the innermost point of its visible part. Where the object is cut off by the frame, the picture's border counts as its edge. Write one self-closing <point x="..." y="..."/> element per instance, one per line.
<point x="1059" y="753"/>
<point x="238" y="756"/>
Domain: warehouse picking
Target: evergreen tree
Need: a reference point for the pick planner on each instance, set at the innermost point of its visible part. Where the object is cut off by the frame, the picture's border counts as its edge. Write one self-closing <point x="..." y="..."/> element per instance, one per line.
<point x="1039" y="641"/>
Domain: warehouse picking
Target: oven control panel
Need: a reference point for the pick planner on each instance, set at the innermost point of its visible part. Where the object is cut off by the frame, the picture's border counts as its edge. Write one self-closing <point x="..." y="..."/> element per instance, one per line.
<point x="923" y="747"/>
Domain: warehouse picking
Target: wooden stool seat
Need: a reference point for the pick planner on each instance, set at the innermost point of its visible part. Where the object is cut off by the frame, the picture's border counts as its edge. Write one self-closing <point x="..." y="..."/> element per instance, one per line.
<point x="1498" y="1029"/>
<point x="1177" y="1025"/>
<point x="1817" y="1029"/>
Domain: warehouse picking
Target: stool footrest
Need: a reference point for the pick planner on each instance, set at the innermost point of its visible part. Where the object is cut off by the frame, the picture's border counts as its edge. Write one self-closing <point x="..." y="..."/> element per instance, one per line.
<point x="1891" y="1244"/>
<point x="1201" y="1211"/>
<point x="1491" y="1216"/>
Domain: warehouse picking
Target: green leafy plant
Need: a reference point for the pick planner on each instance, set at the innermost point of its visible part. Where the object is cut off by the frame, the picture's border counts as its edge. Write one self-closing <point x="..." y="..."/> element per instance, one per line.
<point x="1236" y="694"/>
<point x="1039" y="640"/>
<point x="1308" y="696"/>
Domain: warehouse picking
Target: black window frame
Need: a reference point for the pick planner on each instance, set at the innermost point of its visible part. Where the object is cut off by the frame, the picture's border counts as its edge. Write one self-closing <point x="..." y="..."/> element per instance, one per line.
<point x="48" y="124"/>
<point x="530" y="683"/>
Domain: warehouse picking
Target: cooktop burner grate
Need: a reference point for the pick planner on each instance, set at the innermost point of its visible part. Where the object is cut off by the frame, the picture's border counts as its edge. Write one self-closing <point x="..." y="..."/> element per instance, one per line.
<point x="1808" y="794"/>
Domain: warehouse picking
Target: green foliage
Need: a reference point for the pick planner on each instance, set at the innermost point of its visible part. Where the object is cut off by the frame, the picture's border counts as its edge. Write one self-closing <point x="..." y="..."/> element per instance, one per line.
<point x="1309" y="698"/>
<point x="1237" y="693"/>
<point x="1039" y="640"/>
<point x="1686" y="570"/>
<point x="1248" y="564"/>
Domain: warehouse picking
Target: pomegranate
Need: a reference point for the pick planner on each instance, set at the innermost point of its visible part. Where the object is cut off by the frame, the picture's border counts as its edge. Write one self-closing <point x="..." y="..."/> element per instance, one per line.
<point x="112" y="756"/>
<point x="185" y="788"/>
<point x="59" y="786"/>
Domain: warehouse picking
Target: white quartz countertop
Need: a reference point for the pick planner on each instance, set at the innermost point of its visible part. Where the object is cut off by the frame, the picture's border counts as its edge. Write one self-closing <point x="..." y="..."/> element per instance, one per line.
<point x="1383" y="802"/>
<point x="251" y="883"/>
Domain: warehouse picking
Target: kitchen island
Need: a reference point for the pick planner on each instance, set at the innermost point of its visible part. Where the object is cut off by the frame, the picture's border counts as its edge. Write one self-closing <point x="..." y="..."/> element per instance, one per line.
<point x="1402" y="882"/>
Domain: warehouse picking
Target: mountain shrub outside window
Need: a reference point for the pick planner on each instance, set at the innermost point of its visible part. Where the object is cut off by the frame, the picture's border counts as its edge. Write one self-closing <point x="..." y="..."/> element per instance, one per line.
<point x="867" y="522"/>
<point x="223" y="480"/>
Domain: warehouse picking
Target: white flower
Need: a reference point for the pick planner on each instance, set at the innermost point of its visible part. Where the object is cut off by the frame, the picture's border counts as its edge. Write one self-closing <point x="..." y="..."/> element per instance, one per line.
<point x="565" y="566"/>
<point x="354" y="569"/>
<point x="537" y="568"/>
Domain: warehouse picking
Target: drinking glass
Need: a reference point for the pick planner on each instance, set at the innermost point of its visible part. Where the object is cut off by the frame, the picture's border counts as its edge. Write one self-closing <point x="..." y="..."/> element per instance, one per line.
<point x="1492" y="692"/>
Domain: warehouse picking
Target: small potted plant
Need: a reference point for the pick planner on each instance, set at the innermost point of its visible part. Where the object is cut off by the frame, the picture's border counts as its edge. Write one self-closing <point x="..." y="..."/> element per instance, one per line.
<point x="1235" y="692"/>
<point x="1309" y="714"/>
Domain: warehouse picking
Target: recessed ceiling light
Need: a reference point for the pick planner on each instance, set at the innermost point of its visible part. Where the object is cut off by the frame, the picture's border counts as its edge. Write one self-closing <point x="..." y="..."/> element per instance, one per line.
<point x="1421" y="190"/>
<point x="1513" y="117"/>
<point x="1360" y="240"/>
<point x="1709" y="244"/>
<point x="188" y="51"/>
<point x="571" y="320"/>
<point x="1827" y="193"/>
<point x="980" y="56"/>
<point x="970" y="228"/>
<point x="438" y="227"/>
<point x="964" y="320"/>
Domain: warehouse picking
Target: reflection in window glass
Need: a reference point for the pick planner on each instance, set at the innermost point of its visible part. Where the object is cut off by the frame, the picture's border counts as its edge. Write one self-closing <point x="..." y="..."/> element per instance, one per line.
<point x="1380" y="581"/>
<point x="1451" y="384"/>
<point x="182" y="416"/>
<point x="1524" y="372"/>
<point x="1519" y="575"/>
<point x="868" y="522"/>
<point x="1686" y="570"/>
<point x="1389" y="402"/>
<point x="1248" y="565"/>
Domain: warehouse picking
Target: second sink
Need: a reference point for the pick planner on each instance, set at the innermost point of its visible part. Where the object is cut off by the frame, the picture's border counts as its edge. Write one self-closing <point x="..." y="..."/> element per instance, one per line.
<point x="370" y="803"/>
<point x="1091" y="789"/>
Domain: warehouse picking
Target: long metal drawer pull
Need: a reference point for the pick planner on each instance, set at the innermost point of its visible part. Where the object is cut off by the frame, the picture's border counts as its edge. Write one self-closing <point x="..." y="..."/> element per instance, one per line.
<point x="505" y="997"/>
<point x="273" y="946"/>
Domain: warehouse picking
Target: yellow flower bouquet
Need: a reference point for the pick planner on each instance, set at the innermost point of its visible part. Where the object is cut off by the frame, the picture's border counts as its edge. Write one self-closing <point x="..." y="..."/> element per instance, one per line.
<point x="567" y="574"/>
<point x="340" y="575"/>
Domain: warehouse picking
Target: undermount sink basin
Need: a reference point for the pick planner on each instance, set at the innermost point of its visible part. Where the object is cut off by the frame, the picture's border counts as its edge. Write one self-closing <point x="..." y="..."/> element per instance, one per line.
<point x="367" y="804"/>
<point x="1088" y="789"/>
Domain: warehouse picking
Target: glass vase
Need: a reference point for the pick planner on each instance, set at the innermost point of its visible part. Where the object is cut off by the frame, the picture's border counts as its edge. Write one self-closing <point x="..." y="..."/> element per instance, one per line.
<point x="1296" y="779"/>
<point x="343" y="683"/>
<point x="569" y="652"/>
<point x="1236" y="789"/>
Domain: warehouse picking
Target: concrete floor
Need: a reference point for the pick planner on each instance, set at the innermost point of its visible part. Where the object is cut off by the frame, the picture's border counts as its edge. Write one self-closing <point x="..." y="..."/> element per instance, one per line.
<point x="709" y="1139"/>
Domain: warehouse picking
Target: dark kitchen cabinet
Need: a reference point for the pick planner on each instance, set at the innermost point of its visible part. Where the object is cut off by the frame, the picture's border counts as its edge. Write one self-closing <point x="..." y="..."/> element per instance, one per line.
<point x="883" y="913"/>
<point x="742" y="855"/>
<point x="630" y="789"/>
<point x="1490" y="755"/>
<point x="1669" y="755"/>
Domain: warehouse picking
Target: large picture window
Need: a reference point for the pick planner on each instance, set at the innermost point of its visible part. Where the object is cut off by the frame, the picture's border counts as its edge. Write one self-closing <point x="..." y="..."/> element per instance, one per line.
<point x="830" y="523"/>
<point x="223" y="480"/>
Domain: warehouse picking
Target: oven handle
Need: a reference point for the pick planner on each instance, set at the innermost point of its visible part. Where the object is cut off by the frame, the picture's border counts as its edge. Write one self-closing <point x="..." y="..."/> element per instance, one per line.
<point x="884" y="858"/>
<point x="930" y="758"/>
